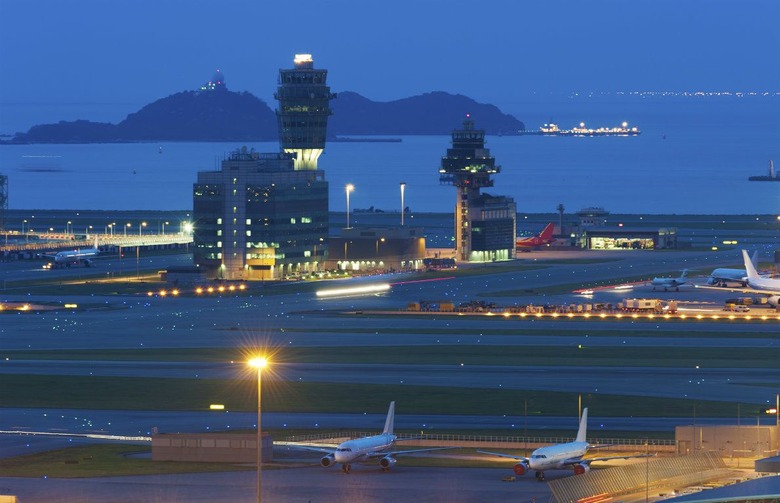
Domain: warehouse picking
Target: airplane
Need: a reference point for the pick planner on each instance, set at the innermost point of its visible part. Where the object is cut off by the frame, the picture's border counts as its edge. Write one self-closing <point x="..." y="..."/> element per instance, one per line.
<point x="722" y="276"/>
<point x="363" y="449"/>
<point x="560" y="456"/>
<point x="668" y="283"/>
<point x="544" y="238"/>
<point x="71" y="257"/>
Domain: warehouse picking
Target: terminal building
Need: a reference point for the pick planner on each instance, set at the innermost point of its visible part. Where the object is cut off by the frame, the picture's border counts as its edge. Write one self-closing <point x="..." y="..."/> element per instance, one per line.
<point x="264" y="216"/>
<point x="485" y="225"/>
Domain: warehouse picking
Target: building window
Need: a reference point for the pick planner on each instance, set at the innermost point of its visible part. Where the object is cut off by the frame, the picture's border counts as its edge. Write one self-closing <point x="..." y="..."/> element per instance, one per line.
<point x="248" y="233"/>
<point x="219" y="221"/>
<point x="249" y="221"/>
<point x="292" y="220"/>
<point x="305" y="220"/>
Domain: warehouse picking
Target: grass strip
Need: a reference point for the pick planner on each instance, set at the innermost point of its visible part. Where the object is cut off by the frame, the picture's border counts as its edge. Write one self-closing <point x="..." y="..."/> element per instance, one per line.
<point x="102" y="460"/>
<point x="448" y="354"/>
<point x="126" y="393"/>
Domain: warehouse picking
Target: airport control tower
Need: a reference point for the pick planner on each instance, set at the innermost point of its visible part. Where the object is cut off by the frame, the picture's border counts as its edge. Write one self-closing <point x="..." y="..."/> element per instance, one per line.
<point x="303" y="112"/>
<point x="485" y="225"/>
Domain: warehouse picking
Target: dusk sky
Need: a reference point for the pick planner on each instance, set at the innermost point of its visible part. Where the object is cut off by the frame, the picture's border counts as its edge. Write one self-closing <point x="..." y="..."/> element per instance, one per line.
<point x="124" y="54"/>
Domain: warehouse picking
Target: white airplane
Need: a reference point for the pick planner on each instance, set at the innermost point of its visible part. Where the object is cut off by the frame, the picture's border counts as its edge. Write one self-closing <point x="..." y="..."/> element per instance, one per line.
<point x="560" y="456"/>
<point x="758" y="284"/>
<point x="667" y="283"/>
<point x="71" y="257"/>
<point x="723" y="276"/>
<point x="360" y="450"/>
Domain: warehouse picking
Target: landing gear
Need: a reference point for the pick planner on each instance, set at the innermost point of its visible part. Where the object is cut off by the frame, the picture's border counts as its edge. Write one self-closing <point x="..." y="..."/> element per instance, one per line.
<point x="540" y="476"/>
<point x="346" y="468"/>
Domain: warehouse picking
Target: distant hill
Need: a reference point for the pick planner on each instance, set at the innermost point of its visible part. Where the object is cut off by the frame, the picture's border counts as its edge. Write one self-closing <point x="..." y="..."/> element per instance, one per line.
<point x="230" y="116"/>
<point x="430" y="113"/>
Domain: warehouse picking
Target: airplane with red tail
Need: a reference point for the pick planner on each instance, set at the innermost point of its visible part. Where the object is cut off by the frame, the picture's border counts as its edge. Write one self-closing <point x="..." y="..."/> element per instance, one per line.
<point x="544" y="238"/>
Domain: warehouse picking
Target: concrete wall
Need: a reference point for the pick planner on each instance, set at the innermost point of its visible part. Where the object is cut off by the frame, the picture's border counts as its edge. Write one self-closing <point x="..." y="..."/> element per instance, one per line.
<point x="210" y="447"/>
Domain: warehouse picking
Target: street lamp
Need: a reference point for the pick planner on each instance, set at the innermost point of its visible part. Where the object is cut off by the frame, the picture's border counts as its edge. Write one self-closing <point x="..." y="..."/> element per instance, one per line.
<point x="67" y="227"/>
<point x="349" y="188"/>
<point x="140" y="227"/>
<point x="163" y="226"/>
<point x="127" y="227"/>
<point x="259" y="363"/>
<point x="403" y="188"/>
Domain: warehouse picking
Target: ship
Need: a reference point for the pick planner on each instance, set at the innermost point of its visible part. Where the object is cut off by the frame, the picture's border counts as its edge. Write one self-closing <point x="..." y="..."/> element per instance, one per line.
<point x="552" y="129"/>
<point x="772" y="177"/>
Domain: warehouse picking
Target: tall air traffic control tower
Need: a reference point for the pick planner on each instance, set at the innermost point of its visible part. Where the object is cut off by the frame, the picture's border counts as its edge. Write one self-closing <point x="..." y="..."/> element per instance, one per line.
<point x="304" y="107"/>
<point x="485" y="225"/>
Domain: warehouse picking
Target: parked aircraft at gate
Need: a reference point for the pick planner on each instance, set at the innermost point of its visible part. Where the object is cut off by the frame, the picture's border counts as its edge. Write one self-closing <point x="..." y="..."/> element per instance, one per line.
<point x="559" y="456"/>
<point x="723" y="276"/>
<point x="667" y="283"/>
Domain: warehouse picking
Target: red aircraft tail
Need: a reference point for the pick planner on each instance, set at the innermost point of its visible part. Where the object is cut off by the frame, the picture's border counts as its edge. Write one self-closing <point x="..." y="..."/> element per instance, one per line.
<point x="547" y="233"/>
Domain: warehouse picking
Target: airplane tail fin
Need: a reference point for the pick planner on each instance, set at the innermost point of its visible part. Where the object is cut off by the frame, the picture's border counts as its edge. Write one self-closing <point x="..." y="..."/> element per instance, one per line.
<point x="547" y="232"/>
<point x="749" y="267"/>
<point x="582" y="432"/>
<point x="685" y="271"/>
<point x="754" y="259"/>
<point x="390" y="419"/>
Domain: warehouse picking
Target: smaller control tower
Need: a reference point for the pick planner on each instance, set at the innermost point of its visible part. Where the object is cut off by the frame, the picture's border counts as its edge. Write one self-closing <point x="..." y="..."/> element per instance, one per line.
<point x="485" y="225"/>
<point x="304" y="107"/>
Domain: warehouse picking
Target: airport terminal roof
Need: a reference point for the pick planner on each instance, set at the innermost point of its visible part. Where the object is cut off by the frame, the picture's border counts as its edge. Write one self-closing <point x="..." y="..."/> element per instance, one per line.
<point x="762" y="489"/>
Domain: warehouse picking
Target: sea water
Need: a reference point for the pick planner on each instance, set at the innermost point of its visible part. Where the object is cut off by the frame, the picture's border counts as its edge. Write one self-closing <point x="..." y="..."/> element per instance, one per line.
<point x="693" y="156"/>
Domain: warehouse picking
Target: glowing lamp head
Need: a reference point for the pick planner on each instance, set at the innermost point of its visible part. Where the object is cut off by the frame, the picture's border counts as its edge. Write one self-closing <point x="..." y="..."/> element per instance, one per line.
<point x="259" y="362"/>
<point x="350" y="187"/>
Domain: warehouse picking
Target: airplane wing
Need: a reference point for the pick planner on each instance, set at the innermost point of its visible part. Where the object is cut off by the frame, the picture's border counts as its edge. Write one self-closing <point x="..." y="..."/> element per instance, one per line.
<point x="510" y="456"/>
<point x="381" y="454"/>
<point x="738" y="289"/>
<point x="588" y="461"/>
<point x="326" y="448"/>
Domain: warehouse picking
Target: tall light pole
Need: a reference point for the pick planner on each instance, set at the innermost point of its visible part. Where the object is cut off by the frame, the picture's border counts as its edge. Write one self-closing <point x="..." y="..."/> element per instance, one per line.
<point x="163" y="226"/>
<point x="127" y="227"/>
<point x="259" y="363"/>
<point x="403" y="188"/>
<point x="140" y="227"/>
<point x="349" y="188"/>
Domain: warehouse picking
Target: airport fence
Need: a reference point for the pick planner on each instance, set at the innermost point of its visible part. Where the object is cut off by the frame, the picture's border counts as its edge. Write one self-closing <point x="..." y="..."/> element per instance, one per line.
<point x="652" y="445"/>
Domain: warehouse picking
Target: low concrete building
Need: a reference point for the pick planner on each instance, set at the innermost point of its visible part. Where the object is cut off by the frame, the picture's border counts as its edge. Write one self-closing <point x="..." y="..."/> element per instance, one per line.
<point x="210" y="447"/>
<point x="377" y="249"/>
<point x="731" y="441"/>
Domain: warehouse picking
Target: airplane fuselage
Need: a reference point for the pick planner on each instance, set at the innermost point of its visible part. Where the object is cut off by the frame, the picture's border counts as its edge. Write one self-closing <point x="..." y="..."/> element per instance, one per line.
<point x="722" y="276"/>
<point x="553" y="457"/>
<point x="359" y="449"/>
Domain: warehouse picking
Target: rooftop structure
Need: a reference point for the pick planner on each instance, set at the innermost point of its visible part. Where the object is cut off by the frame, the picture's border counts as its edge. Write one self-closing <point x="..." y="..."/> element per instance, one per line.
<point x="217" y="83"/>
<point x="304" y="107"/>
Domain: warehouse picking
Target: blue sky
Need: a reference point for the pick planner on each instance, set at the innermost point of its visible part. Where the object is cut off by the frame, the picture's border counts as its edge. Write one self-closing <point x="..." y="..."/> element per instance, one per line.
<point x="122" y="54"/>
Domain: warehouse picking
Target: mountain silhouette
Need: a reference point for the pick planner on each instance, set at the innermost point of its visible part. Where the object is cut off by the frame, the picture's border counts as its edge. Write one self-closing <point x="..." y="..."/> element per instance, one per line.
<point x="240" y="116"/>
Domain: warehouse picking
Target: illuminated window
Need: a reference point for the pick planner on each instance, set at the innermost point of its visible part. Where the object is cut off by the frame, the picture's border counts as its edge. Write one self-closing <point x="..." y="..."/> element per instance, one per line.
<point x="305" y="220"/>
<point x="249" y="221"/>
<point x="307" y="253"/>
<point x="219" y="232"/>
<point x="219" y="244"/>
<point x="234" y="210"/>
<point x="248" y="233"/>
<point x="219" y="221"/>
<point x="234" y="192"/>
<point x="219" y="256"/>
<point x="234" y="221"/>
<point x="292" y="220"/>
<point x="234" y="233"/>
<point x="234" y="180"/>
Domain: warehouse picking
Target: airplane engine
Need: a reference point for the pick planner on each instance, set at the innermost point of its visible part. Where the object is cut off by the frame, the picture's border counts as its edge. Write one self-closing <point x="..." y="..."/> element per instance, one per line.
<point x="581" y="468"/>
<point x="387" y="462"/>
<point x="773" y="300"/>
<point x="328" y="460"/>
<point x="520" y="468"/>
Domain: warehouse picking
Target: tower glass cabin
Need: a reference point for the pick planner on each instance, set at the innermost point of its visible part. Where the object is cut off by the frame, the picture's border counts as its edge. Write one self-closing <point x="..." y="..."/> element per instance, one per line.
<point x="304" y="107"/>
<point x="485" y="225"/>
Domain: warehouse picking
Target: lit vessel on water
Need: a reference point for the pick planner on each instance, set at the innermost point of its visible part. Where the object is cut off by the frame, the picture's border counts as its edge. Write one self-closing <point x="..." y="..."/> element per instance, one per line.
<point x="580" y="130"/>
